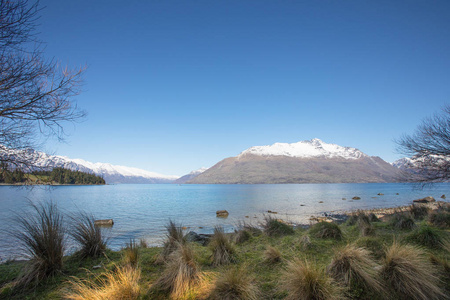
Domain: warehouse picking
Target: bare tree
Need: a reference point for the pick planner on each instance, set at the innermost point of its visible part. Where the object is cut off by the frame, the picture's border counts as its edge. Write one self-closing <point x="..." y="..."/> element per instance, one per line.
<point x="36" y="94"/>
<point x="429" y="149"/>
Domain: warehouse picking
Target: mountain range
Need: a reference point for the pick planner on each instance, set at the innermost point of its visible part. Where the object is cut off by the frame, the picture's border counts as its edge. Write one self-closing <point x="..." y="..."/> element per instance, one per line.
<point x="311" y="161"/>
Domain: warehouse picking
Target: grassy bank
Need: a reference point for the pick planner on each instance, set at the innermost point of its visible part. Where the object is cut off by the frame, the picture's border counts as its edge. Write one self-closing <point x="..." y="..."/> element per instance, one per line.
<point x="406" y="254"/>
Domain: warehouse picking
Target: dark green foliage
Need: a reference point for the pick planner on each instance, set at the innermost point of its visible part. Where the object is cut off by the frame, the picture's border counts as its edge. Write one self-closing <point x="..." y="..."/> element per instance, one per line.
<point x="88" y="236"/>
<point x="64" y="176"/>
<point x="325" y="230"/>
<point x="9" y="177"/>
<point x="440" y="218"/>
<point x="359" y="218"/>
<point x="403" y="221"/>
<point x="43" y="236"/>
<point x="373" y="244"/>
<point x="426" y="236"/>
<point x="418" y="212"/>
<point x="274" y="227"/>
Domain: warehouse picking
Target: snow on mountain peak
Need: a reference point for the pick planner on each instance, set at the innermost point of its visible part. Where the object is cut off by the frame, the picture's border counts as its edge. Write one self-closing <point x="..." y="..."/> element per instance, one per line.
<point x="198" y="171"/>
<point x="304" y="149"/>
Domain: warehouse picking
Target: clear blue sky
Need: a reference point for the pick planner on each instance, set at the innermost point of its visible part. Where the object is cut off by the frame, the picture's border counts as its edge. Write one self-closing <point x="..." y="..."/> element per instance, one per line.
<point x="172" y="86"/>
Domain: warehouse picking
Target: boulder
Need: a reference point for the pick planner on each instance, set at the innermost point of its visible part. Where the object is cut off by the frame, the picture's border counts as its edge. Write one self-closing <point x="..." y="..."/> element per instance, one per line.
<point x="222" y="213"/>
<point x="356" y="198"/>
<point x="202" y="239"/>
<point x="425" y="200"/>
<point x="106" y="222"/>
<point x="443" y="196"/>
<point x="380" y="194"/>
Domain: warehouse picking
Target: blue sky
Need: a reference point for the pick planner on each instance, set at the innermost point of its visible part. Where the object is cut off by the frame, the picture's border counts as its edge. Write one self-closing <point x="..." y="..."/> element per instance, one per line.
<point x="172" y="86"/>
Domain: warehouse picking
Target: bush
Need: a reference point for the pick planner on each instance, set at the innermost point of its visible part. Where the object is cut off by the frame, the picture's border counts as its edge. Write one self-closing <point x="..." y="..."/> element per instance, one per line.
<point x="222" y="250"/>
<point x="120" y="284"/>
<point x="426" y="236"/>
<point x="440" y="219"/>
<point x="180" y="274"/>
<point x="43" y="236"/>
<point x="131" y="254"/>
<point x="305" y="281"/>
<point x="235" y="283"/>
<point x="408" y="273"/>
<point x="274" y="227"/>
<point x="354" y="267"/>
<point x="88" y="236"/>
<point x="325" y="230"/>
<point x="418" y="212"/>
<point x="272" y="255"/>
<point x="402" y="221"/>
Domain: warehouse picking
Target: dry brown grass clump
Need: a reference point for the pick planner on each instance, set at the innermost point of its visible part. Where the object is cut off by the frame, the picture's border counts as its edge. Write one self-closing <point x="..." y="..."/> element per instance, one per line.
<point x="121" y="284"/>
<point x="223" y="251"/>
<point x="272" y="255"/>
<point x="180" y="274"/>
<point x="88" y="236"/>
<point x="241" y="236"/>
<point x="275" y="227"/>
<point x="233" y="284"/>
<point x="43" y="236"/>
<point x="305" y="243"/>
<point x="326" y="230"/>
<point x="409" y="274"/>
<point x="131" y="254"/>
<point x="174" y="237"/>
<point x="354" y="267"/>
<point x="305" y="281"/>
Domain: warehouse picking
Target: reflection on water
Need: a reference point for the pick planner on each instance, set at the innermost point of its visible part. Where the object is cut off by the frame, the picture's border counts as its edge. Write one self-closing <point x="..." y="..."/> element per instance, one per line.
<point x="142" y="211"/>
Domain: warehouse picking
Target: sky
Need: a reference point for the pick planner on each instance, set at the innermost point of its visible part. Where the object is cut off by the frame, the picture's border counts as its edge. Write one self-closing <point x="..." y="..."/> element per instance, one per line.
<point x="172" y="86"/>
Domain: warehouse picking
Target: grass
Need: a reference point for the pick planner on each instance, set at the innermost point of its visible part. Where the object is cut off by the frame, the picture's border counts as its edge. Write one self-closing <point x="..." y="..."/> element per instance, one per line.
<point x="303" y="280"/>
<point x="42" y="234"/>
<point x="274" y="227"/>
<point x="174" y="237"/>
<point x="426" y="236"/>
<point x="402" y="221"/>
<point x="88" y="236"/>
<point x="121" y="284"/>
<point x="409" y="274"/>
<point x="419" y="212"/>
<point x="325" y="230"/>
<point x="235" y="283"/>
<point x="131" y="254"/>
<point x="223" y="252"/>
<point x="440" y="219"/>
<point x="272" y="255"/>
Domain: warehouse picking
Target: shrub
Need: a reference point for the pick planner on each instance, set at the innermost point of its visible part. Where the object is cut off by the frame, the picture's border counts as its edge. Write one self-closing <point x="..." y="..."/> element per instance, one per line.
<point x="131" y="254"/>
<point x="123" y="283"/>
<point x="305" y="281"/>
<point x="418" y="212"/>
<point x="272" y="255"/>
<point x="426" y="236"/>
<point x="221" y="247"/>
<point x="43" y="236"/>
<point x="88" y="236"/>
<point x="403" y="221"/>
<point x="274" y="227"/>
<point x="325" y="230"/>
<point x="354" y="267"/>
<point x="181" y="272"/>
<point x="174" y="236"/>
<point x="408" y="274"/>
<point x="440" y="219"/>
<point x="235" y="283"/>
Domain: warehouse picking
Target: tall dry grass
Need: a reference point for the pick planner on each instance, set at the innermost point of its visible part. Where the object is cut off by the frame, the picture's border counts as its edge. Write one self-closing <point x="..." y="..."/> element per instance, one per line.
<point x="42" y="235"/>
<point x="272" y="255"/>
<point x="223" y="251"/>
<point x="174" y="237"/>
<point x="275" y="227"/>
<point x="305" y="281"/>
<point x="88" y="236"/>
<point x="235" y="283"/>
<point x="131" y="254"/>
<point x="325" y="230"/>
<point x="121" y="284"/>
<point x="409" y="274"/>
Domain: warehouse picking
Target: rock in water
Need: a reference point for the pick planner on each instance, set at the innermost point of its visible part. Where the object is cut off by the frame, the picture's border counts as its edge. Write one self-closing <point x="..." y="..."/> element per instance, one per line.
<point x="425" y="200"/>
<point x="107" y="222"/>
<point x="356" y="198"/>
<point x="222" y="213"/>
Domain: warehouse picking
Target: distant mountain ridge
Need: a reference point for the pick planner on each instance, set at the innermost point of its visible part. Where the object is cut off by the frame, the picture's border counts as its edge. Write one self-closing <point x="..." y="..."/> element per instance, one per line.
<point x="191" y="175"/>
<point x="311" y="161"/>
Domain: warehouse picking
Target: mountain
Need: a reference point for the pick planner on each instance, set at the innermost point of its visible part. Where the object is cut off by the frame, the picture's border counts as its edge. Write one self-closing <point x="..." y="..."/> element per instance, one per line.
<point x="190" y="176"/>
<point x="304" y="162"/>
<point x="403" y="163"/>
<point x="111" y="173"/>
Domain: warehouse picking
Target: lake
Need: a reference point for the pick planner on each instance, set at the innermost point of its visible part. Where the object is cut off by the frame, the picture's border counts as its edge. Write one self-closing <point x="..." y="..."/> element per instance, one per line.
<point x="142" y="211"/>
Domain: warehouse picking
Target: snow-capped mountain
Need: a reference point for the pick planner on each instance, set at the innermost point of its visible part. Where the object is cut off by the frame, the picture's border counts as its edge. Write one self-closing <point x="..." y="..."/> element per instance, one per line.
<point x="191" y="175"/>
<point x="403" y="163"/>
<point x="111" y="173"/>
<point x="311" y="161"/>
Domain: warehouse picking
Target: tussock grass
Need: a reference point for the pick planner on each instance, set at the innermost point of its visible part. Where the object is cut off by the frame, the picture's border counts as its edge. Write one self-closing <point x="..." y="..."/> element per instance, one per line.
<point x="274" y="227"/>
<point x="409" y="274"/>
<point x="440" y="219"/>
<point x="143" y="243"/>
<point x="121" y="284"/>
<point x="223" y="252"/>
<point x="242" y="236"/>
<point x="402" y="221"/>
<point x="305" y="243"/>
<point x="366" y="229"/>
<point x="272" y="255"/>
<point x="354" y="267"/>
<point x="418" y="212"/>
<point x="87" y="235"/>
<point x="42" y="235"/>
<point x="373" y="218"/>
<point x="426" y="236"/>
<point x="131" y="254"/>
<point x="325" y="230"/>
<point x="235" y="283"/>
<point x="305" y="281"/>
<point x="181" y="272"/>
<point x="174" y="237"/>
<point x="358" y="217"/>
<point x="372" y="244"/>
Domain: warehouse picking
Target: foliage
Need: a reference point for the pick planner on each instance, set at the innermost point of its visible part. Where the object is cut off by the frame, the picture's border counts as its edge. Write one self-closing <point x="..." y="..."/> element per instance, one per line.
<point x="87" y="235"/>
<point x="326" y="230"/>
<point x="426" y="236"/>
<point x="223" y="251"/>
<point x="274" y="227"/>
<point x="418" y="212"/>
<point x="440" y="219"/>
<point x="65" y="176"/>
<point x="401" y="220"/>
<point x="235" y="283"/>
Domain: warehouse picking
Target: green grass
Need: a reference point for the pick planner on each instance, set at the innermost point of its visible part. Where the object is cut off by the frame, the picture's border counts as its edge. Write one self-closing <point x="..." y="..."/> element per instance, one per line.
<point x="250" y="255"/>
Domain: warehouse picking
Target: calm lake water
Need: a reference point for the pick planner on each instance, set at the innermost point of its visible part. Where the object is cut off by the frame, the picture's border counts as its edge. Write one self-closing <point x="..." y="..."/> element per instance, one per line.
<point x="142" y="211"/>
